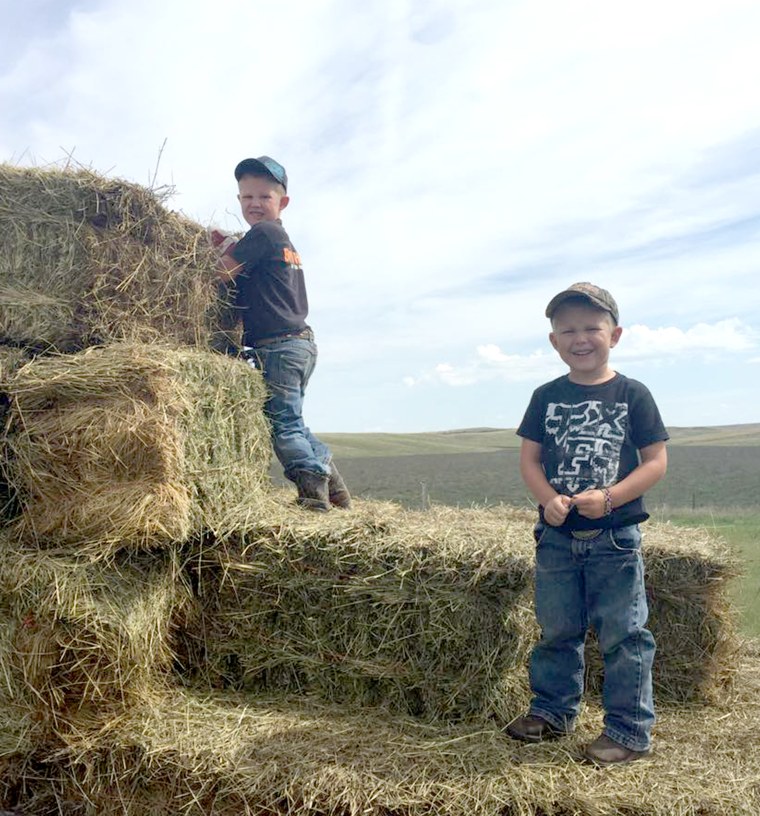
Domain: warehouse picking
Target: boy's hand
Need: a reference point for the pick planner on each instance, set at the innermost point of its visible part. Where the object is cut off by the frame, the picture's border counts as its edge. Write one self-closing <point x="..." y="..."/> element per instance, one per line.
<point x="591" y="503"/>
<point x="222" y="242"/>
<point x="556" y="510"/>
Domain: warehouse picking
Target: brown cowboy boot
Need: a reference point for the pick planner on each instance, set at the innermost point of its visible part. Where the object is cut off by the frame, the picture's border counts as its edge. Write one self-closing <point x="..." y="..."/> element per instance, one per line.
<point x="337" y="490"/>
<point x="605" y="751"/>
<point x="312" y="491"/>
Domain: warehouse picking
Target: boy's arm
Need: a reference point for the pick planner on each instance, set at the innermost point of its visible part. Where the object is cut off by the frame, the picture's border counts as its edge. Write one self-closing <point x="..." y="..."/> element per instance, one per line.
<point x="654" y="463"/>
<point x="227" y="267"/>
<point x="556" y="506"/>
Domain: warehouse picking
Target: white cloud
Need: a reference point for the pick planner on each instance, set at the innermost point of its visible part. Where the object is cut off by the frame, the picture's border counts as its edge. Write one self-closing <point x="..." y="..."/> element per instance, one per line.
<point x="640" y="343"/>
<point x="665" y="344"/>
<point x="490" y="363"/>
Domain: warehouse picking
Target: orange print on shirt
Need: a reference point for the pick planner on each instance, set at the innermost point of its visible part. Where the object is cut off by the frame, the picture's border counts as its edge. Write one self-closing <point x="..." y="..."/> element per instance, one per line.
<point x="290" y="256"/>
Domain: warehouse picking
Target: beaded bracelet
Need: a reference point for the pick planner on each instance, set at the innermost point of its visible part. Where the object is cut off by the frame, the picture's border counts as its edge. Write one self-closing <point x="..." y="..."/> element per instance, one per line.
<point x="607" y="501"/>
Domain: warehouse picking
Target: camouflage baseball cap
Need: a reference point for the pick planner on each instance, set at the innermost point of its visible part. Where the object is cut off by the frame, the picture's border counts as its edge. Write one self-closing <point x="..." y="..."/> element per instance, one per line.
<point x="584" y="290"/>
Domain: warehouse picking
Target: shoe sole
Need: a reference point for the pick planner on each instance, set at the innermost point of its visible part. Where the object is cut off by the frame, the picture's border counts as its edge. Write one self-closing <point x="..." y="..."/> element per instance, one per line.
<point x="606" y="763"/>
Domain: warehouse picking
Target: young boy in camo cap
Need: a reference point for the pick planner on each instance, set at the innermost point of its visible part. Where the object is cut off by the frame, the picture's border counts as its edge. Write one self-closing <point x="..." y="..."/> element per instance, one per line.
<point x="270" y="294"/>
<point x="593" y="443"/>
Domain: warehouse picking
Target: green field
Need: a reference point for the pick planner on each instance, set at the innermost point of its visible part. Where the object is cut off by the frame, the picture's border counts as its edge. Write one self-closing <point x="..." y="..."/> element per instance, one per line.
<point x="713" y="481"/>
<point x="484" y="440"/>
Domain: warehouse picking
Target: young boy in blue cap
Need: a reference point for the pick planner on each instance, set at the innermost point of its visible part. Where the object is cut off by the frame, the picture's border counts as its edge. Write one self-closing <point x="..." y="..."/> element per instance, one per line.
<point x="270" y="293"/>
<point x="593" y="443"/>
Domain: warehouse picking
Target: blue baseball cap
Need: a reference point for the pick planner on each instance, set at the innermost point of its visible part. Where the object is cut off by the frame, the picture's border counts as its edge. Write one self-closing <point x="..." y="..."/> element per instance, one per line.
<point x="264" y="165"/>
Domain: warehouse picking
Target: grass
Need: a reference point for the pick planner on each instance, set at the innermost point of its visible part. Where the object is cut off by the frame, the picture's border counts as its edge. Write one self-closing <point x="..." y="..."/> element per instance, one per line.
<point x="484" y="440"/>
<point x="471" y="440"/>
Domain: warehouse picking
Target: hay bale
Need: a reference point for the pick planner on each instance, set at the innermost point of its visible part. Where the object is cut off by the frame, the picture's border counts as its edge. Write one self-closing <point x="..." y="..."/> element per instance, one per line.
<point x="421" y="612"/>
<point x="430" y="613"/>
<point x="135" y="445"/>
<point x="87" y="260"/>
<point x="80" y="640"/>
<point x="225" y="755"/>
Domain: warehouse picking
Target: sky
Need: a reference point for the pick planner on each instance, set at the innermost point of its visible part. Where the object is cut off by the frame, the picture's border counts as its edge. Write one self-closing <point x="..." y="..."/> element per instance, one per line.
<point x="452" y="165"/>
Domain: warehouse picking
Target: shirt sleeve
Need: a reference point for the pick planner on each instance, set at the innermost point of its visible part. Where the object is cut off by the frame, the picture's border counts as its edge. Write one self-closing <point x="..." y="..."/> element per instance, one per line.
<point x="532" y="425"/>
<point x="251" y="248"/>
<point x="647" y="426"/>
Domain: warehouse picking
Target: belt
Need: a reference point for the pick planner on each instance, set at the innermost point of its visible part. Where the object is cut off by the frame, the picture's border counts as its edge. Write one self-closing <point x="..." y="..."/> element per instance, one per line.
<point x="584" y="535"/>
<point x="303" y="334"/>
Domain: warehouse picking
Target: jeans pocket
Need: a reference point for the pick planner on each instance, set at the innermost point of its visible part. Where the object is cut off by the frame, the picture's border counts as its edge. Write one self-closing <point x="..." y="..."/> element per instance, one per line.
<point x="538" y="532"/>
<point x="626" y="539"/>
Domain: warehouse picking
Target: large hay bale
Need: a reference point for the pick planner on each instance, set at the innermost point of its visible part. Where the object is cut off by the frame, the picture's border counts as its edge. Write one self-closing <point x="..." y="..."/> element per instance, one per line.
<point x="227" y="755"/>
<point x="430" y="612"/>
<point x="135" y="445"/>
<point x="420" y="612"/>
<point x="87" y="260"/>
<point x="80" y="641"/>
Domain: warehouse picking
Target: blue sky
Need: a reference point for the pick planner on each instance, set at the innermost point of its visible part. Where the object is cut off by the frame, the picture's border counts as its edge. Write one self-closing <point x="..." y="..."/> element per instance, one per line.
<point x="452" y="164"/>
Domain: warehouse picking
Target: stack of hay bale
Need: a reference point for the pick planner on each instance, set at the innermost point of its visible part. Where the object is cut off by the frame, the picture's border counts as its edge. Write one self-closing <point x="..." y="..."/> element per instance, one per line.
<point x="177" y="637"/>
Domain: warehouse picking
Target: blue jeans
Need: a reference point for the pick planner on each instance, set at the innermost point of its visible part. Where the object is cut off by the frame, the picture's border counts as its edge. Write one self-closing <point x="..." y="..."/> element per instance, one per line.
<point x="287" y="365"/>
<point x="597" y="582"/>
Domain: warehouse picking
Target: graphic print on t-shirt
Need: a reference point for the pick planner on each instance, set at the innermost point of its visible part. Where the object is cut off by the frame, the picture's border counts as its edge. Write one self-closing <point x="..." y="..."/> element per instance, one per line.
<point x="588" y="437"/>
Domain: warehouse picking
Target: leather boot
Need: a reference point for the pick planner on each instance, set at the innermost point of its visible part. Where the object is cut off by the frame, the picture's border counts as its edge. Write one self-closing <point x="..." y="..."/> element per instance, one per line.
<point x="312" y="491"/>
<point x="531" y="728"/>
<point x="337" y="490"/>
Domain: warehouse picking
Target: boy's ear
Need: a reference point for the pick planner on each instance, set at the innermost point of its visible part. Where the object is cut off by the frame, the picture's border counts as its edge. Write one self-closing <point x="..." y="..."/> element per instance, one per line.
<point x="284" y="201"/>
<point x="553" y="340"/>
<point x="616" y="332"/>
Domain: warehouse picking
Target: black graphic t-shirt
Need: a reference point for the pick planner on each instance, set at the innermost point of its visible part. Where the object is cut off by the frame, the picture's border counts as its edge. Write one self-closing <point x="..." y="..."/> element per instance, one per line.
<point x="270" y="289"/>
<point x="590" y="437"/>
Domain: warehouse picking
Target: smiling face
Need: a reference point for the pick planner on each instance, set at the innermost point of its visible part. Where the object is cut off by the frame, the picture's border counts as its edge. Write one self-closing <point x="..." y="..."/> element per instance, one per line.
<point x="583" y="337"/>
<point x="261" y="199"/>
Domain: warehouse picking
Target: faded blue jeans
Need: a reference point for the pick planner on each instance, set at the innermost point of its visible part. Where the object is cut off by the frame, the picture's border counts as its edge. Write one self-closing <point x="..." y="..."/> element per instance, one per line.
<point x="287" y="365"/>
<point x="597" y="582"/>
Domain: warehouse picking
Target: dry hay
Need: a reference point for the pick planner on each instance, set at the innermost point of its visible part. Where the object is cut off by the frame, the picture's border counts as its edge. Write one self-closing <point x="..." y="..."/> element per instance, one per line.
<point x="81" y="640"/>
<point x="11" y="359"/>
<point x="87" y="260"/>
<point x="224" y="320"/>
<point x="418" y="612"/>
<point x="18" y="724"/>
<point x="181" y="753"/>
<point x="428" y="613"/>
<point x="135" y="445"/>
<point x="97" y="725"/>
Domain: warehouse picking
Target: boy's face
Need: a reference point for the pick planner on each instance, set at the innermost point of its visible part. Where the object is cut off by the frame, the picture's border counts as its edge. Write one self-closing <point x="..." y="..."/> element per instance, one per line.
<point x="261" y="199"/>
<point x="583" y="337"/>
